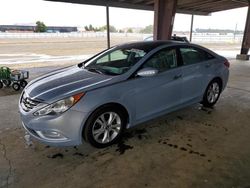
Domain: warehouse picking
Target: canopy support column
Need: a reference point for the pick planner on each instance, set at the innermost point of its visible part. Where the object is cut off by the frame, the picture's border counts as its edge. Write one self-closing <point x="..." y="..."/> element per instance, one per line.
<point x="191" y="28"/>
<point x="108" y="26"/>
<point x="164" y="14"/>
<point x="246" y="39"/>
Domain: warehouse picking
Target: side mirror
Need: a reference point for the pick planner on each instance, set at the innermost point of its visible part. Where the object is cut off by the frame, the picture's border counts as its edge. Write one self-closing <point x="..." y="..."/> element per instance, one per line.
<point x="147" y="72"/>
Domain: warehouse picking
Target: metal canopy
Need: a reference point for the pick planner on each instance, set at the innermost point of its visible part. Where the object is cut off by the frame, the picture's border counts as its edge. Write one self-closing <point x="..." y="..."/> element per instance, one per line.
<point x="165" y="12"/>
<point x="198" y="7"/>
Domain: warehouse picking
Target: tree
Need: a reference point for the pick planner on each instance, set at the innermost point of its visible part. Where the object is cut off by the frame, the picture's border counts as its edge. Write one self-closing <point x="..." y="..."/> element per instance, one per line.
<point x="40" y="27"/>
<point x="148" y="29"/>
<point x="86" y="28"/>
<point x="112" y="28"/>
<point x="130" y="30"/>
<point x="103" y="28"/>
<point x="91" y="28"/>
<point x="96" y="29"/>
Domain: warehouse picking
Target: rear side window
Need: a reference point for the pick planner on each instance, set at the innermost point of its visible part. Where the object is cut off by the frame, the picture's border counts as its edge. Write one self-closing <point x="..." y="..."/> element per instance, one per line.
<point x="163" y="60"/>
<point x="192" y="55"/>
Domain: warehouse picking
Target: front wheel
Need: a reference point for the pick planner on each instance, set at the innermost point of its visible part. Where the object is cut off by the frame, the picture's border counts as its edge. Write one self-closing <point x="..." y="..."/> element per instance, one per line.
<point x="1" y="85"/>
<point x="105" y="127"/>
<point x="16" y="86"/>
<point x="212" y="93"/>
<point x="23" y="83"/>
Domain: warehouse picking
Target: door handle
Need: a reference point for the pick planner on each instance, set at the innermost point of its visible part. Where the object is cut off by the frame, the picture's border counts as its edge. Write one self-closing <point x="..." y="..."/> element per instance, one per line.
<point x="177" y="76"/>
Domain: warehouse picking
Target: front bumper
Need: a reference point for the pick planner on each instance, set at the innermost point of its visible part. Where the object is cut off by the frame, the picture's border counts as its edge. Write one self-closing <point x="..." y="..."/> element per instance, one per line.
<point x="62" y="130"/>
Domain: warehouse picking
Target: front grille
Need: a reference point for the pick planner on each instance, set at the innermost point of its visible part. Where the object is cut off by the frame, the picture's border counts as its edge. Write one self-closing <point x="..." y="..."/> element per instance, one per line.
<point x="27" y="103"/>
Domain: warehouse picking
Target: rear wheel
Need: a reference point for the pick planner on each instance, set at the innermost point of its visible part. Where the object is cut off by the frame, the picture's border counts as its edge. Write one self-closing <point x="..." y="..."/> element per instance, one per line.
<point x="105" y="127"/>
<point x="16" y="86"/>
<point x="7" y="82"/>
<point x="1" y="85"/>
<point x="212" y="93"/>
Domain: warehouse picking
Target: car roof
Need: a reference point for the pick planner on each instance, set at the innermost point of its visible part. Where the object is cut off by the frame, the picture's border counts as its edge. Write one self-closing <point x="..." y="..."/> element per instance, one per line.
<point x="149" y="45"/>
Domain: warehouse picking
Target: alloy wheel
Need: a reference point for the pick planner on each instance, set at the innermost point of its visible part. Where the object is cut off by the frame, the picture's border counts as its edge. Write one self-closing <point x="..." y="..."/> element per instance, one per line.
<point x="106" y="127"/>
<point x="213" y="92"/>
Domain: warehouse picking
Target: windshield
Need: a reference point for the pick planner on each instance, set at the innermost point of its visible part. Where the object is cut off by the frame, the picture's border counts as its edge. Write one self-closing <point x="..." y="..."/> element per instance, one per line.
<point x="115" y="62"/>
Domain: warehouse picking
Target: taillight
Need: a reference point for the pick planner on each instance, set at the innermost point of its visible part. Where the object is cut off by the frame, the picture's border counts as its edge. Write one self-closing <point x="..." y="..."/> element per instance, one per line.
<point x="227" y="64"/>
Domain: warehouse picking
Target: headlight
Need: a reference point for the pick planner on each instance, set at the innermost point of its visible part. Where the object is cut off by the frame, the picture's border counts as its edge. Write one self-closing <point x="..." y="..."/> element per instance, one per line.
<point x="60" y="106"/>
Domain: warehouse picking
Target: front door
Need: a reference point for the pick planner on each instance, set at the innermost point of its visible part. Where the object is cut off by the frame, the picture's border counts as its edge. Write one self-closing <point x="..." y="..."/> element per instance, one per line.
<point x="161" y="92"/>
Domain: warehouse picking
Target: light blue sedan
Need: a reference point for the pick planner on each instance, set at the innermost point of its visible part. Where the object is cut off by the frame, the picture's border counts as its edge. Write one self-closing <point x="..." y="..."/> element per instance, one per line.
<point x="95" y="101"/>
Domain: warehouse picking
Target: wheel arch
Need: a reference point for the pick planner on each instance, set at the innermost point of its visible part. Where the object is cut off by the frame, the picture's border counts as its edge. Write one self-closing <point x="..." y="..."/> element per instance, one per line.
<point x="204" y="99"/>
<point x="219" y="79"/>
<point x="110" y="104"/>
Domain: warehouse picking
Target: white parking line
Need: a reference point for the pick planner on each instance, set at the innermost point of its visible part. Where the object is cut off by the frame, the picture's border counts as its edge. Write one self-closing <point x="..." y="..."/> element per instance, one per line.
<point x="10" y="59"/>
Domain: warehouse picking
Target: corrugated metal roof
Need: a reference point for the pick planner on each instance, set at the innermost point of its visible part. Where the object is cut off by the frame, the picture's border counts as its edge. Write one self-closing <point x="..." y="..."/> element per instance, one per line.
<point x="201" y="7"/>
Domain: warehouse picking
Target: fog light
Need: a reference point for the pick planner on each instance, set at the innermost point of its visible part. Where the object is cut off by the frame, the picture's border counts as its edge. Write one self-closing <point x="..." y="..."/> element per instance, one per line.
<point x="53" y="135"/>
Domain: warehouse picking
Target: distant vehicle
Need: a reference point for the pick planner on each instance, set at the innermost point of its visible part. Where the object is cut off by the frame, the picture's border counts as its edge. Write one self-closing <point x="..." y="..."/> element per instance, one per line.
<point x="174" y="37"/>
<point x="95" y="101"/>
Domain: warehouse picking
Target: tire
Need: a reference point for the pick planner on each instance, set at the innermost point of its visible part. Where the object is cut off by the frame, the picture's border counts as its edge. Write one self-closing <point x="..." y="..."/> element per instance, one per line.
<point x="95" y="130"/>
<point x="16" y="86"/>
<point x="212" y="93"/>
<point x="6" y="83"/>
<point x="1" y="85"/>
<point x="23" y="83"/>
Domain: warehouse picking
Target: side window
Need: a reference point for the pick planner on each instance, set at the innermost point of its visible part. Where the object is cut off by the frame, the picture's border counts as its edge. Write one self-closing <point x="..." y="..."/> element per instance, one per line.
<point x="163" y="60"/>
<point x="192" y="55"/>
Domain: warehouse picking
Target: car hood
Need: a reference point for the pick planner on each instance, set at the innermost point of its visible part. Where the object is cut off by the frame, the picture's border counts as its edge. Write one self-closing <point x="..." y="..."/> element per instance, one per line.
<point x="65" y="82"/>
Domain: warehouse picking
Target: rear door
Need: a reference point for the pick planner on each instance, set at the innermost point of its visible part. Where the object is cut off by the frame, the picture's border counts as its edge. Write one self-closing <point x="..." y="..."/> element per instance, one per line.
<point x="195" y="72"/>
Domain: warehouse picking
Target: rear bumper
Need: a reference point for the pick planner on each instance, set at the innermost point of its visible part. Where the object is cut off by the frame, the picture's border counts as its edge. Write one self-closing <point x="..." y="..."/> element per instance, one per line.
<point x="225" y="77"/>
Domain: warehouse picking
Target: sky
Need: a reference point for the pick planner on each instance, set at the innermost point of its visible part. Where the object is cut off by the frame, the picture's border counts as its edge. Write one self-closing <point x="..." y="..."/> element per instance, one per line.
<point x="66" y="14"/>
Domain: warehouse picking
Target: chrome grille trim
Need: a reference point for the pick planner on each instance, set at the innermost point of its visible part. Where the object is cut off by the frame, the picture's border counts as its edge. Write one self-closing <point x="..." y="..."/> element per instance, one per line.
<point x="27" y="103"/>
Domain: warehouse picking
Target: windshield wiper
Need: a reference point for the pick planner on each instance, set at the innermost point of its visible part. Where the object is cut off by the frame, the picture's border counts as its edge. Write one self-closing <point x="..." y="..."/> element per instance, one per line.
<point x="94" y="69"/>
